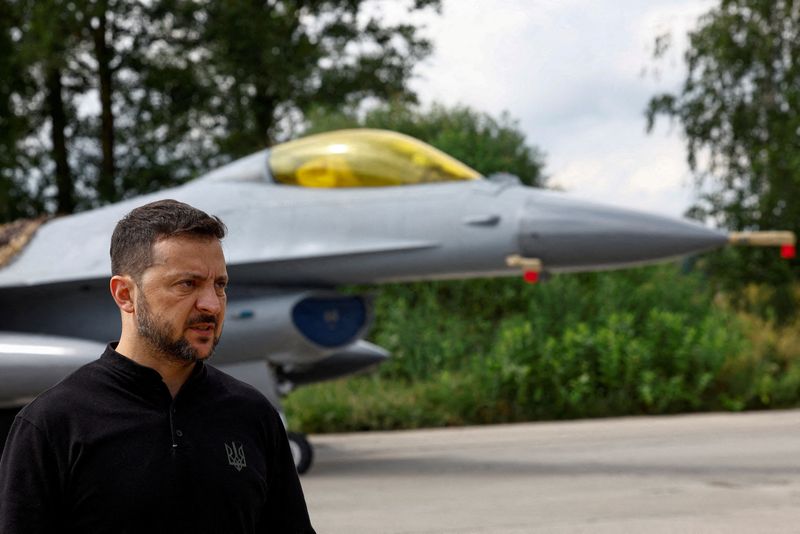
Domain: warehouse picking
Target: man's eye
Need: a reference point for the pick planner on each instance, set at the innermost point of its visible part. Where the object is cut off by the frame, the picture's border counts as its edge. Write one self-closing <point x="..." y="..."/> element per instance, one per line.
<point x="186" y="283"/>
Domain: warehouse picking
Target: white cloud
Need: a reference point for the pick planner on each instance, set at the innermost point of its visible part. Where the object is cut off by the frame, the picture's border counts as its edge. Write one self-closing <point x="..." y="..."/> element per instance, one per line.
<point x="578" y="76"/>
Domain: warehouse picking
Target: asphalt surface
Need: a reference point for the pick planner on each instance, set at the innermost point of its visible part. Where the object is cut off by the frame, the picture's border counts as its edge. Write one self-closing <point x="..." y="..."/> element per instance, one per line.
<point x="706" y="473"/>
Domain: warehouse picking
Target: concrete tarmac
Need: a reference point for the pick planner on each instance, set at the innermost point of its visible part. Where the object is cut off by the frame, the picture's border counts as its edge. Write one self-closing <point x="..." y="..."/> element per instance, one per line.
<point x="709" y="473"/>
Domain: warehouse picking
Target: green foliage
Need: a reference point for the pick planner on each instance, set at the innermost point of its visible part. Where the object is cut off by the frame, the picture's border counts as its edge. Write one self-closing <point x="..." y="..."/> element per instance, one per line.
<point x="487" y="144"/>
<point x="644" y="341"/>
<point x="87" y="88"/>
<point x="739" y="109"/>
<point x="107" y="99"/>
<point x="275" y="60"/>
<point x="371" y="403"/>
<point x="12" y="125"/>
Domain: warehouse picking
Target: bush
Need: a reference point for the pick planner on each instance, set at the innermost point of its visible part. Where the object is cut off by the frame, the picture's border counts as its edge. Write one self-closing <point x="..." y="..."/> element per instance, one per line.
<point x="643" y="341"/>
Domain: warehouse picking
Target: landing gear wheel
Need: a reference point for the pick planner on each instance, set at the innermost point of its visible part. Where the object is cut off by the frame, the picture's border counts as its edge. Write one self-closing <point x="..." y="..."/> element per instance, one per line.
<point x="302" y="452"/>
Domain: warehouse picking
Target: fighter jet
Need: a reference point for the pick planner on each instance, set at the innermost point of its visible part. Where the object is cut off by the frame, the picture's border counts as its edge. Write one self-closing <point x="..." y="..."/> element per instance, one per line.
<point x="305" y="217"/>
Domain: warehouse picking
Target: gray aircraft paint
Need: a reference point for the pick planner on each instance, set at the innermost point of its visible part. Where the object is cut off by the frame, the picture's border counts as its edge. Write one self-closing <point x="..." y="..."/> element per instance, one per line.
<point x="454" y="230"/>
<point x="286" y="243"/>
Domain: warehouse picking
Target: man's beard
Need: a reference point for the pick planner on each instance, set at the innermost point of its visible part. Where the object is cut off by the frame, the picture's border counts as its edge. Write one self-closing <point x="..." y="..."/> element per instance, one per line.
<point x="157" y="332"/>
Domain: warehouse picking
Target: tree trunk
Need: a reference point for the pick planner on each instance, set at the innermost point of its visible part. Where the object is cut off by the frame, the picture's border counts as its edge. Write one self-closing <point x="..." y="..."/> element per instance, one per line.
<point x="264" y="112"/>
<point x="106" y="186"/>
<point x="58" y="118"/>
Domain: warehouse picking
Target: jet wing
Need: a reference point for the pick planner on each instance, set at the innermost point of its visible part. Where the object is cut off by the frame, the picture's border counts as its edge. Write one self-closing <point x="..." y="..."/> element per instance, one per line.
<point x="31" y="363"/>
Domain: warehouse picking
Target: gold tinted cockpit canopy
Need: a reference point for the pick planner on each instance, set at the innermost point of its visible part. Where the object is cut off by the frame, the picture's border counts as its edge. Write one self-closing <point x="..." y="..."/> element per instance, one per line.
<point x="363" y="158"/>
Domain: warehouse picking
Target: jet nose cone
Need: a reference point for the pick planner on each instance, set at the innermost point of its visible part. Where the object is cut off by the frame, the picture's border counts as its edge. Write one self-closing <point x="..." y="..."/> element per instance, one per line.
<point x="571" y="235"/>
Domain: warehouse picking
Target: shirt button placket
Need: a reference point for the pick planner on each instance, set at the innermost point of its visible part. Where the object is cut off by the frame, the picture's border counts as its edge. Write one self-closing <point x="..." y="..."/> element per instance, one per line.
<point x="175" y="433"/>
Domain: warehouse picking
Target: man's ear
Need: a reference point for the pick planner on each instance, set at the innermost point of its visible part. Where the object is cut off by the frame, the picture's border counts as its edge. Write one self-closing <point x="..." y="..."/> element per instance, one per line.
<point x="123" y="289"/>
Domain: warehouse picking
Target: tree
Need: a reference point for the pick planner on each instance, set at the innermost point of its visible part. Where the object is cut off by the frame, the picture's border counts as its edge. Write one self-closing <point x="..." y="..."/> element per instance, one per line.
<point x="105" y="99"/>
<point x="39" y="100"/>
<point x="74" y="65"/>
<point x="271" y="62"/>
<point x="12" y="125"/>
<point x="739" y="110"/>
<point x="487" y="144"/>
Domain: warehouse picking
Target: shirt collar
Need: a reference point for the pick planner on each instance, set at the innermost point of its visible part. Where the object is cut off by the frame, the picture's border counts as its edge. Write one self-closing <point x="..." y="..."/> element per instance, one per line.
<point x="136" y="373"/>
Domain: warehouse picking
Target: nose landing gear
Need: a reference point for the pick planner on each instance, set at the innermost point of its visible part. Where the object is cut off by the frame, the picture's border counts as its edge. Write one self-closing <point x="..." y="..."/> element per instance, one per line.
<point x="302" y="452"/>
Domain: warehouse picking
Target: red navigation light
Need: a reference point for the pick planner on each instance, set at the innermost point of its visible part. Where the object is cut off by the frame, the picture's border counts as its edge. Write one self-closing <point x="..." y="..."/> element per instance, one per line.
<point x="531" y="277"/>
<point x="788" y="252"/>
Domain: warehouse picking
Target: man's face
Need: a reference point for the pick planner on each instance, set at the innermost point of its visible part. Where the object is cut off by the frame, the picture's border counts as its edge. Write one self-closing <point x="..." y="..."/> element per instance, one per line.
<point x="180" y="304"/>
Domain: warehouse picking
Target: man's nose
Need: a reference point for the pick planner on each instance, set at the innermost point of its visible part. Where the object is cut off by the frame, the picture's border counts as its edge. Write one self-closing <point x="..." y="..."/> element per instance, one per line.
<point x="208" y="301"/>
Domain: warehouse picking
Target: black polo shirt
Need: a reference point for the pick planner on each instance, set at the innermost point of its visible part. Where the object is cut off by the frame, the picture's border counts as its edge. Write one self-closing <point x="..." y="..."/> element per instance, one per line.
<point x="109" y="450"/>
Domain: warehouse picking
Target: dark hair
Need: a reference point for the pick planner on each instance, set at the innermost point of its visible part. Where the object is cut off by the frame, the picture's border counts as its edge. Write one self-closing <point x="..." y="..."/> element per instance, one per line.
<point x="137" y="232"/>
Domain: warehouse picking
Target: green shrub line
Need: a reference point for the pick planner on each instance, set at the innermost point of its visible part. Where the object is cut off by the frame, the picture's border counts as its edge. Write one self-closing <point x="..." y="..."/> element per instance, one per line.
<point x="644" y="341"/>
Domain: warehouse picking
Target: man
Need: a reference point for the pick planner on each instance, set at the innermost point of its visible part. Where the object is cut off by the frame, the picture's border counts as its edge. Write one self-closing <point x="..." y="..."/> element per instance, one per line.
<point x="148" y="438"/>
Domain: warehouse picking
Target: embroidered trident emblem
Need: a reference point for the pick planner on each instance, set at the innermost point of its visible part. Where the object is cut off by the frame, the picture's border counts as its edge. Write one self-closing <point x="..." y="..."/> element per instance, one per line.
<point x="236" y="455"/>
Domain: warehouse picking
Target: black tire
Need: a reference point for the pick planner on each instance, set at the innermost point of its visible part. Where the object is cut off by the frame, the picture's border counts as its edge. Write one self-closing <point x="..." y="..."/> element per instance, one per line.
<point x="302" y="451"/>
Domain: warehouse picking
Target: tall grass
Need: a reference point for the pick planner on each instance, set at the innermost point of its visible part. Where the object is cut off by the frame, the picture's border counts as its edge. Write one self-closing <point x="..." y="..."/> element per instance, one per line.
<point x="643" y="341"/>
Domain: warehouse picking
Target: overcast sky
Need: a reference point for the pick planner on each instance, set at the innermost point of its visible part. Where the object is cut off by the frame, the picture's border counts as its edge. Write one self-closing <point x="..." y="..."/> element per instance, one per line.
<point x="577" y="75"/>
